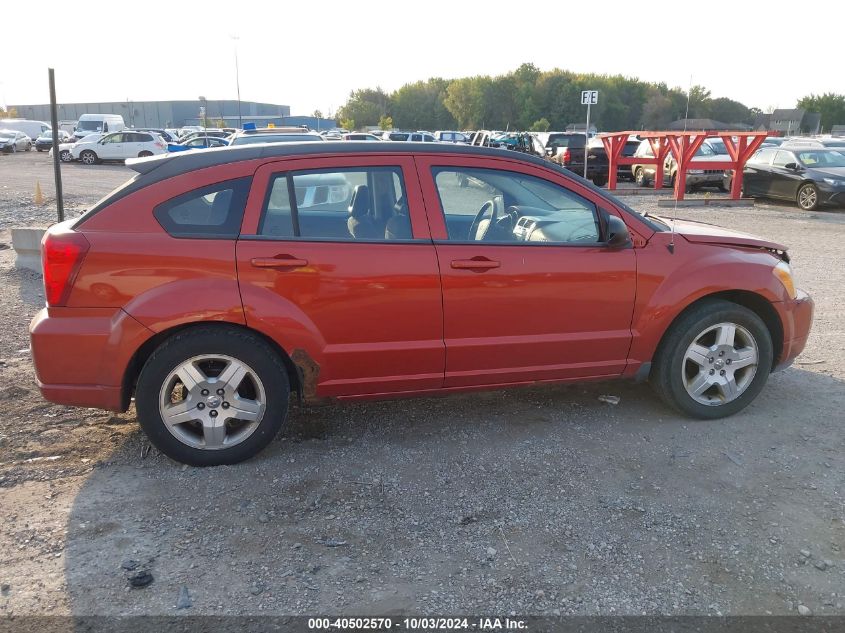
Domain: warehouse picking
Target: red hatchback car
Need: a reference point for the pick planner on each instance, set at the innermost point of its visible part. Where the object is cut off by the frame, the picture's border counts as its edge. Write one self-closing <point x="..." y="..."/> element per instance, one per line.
<point x="215" y="284"/>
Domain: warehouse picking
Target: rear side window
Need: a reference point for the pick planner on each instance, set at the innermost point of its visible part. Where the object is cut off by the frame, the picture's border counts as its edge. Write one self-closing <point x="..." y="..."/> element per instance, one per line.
<point x="214" y="211"/>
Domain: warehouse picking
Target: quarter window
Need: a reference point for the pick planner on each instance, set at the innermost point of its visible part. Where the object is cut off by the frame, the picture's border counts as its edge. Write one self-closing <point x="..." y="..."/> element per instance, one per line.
<point x="215" y="211"/>
<point x="783" y="158"/>
<point x="351" y="204"/>
<point x="512" y="208"/>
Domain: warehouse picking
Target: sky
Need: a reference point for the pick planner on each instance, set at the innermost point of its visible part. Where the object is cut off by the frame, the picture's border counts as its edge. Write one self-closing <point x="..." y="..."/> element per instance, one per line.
<point x="310" y="55"/>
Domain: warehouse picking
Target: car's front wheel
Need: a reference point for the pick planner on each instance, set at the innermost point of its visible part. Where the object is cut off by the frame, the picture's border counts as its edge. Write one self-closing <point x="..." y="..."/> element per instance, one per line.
<point x="88" y="157"/>
<point x="640" y="178"/>
<point x="714" y="360"/>
<point x="212" y="395"/>
<point x="65" y="156"/>
<point x="808" y="197"/>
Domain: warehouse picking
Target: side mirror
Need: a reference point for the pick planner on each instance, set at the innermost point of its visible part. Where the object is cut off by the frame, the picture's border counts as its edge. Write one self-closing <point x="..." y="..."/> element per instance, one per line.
<point x="792" y="166"/>
<point x="618" y="236"/>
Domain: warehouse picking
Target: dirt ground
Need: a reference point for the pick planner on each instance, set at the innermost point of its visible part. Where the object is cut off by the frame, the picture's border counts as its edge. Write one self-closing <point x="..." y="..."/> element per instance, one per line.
<point x="534" y="501"/>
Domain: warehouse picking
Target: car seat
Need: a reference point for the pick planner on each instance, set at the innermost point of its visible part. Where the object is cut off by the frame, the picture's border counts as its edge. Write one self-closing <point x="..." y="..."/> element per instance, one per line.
<point x="360" y="223"/>
<point x="398" y="227"/>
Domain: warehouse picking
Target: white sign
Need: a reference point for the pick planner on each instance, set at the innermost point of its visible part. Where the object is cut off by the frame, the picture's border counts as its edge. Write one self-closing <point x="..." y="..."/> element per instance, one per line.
<point x="589" y="97"/>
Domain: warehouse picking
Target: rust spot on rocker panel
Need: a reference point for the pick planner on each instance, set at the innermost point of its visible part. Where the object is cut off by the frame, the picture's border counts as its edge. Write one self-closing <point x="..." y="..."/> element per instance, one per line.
<point x="308" y="370"/>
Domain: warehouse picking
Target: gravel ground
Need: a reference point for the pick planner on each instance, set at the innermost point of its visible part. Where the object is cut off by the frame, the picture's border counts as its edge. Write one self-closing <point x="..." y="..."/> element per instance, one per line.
<point x="532" y="501"/>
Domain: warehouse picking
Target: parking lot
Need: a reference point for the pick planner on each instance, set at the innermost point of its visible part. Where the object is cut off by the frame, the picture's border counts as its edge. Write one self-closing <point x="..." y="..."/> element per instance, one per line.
<point x="543" y="500"/>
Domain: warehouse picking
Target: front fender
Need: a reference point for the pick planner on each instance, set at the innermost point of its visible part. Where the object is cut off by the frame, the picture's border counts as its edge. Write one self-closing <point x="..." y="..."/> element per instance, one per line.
<point x="668" y="283"/>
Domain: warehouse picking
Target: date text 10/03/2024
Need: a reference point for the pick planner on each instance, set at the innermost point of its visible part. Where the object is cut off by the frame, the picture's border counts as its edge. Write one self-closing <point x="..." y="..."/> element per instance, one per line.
<point x="418" y="624"/>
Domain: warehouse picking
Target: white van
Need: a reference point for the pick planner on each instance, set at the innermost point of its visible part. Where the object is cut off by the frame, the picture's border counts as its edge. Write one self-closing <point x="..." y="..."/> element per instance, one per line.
<point x="33" y="129"/>
<point x="98" y="124"/>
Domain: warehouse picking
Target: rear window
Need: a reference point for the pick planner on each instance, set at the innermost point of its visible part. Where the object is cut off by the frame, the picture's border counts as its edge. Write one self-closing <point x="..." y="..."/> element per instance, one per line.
<point x="566" y="140"/>
<point x="214" y="211"/>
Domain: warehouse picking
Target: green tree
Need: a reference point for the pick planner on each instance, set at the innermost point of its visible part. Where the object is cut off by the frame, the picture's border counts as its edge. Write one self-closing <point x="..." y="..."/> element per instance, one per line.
<point x="420" y="106"/>
<point x="317" y="114"/>
<point x="540" y="125"/>
<point x="385" y="123"/>
<point x="830" y="105"/>
<point x="365" y="107"/>
<point x="347" y="124"/>
<point x="699" y="103"/>
<point x="728" y="110"/>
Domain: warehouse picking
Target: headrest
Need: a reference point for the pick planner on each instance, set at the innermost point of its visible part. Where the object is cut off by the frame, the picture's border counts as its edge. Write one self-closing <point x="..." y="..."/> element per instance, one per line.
<point x="360" y="204"/>
<point x="401" y="206"/>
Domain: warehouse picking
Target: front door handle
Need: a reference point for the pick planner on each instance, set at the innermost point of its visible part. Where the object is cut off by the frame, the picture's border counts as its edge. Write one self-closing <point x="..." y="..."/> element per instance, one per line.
<point x="279" y="261"/>
<point x="480" y="263"/>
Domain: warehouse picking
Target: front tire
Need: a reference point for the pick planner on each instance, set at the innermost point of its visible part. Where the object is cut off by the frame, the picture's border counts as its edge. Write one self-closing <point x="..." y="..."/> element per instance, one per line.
<point x="808" y="197"/>
<point x="88" y="157"/>
<point x="212" y="395"/>
<point x="65" y="156"/>
<point x="640" y="178"/>
<point x="713" y="361"/>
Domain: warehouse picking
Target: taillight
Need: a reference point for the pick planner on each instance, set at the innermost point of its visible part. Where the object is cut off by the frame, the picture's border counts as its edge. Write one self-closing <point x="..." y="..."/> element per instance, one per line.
<point x="567" y="156"/>
<point x="62" y="252"/>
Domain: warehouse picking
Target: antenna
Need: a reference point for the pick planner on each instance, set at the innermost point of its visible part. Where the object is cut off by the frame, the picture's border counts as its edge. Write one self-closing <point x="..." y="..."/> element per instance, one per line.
<point x="671" y="245"/>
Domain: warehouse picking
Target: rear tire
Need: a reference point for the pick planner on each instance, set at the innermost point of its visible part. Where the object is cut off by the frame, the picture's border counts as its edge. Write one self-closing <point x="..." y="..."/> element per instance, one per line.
<point x="691" y="350"/>
<point x="640" y="177"/>
<point x="599" y="180"/>
<point x="193" y="437"/>
<point x="144" y="154"/>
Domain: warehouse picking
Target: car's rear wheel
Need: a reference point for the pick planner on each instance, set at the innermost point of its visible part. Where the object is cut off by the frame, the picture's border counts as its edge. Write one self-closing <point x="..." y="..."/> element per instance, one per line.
<point x="713" y="361"/>
<point x="212" y="395"/>
<point x="88" y="157"/>
<point x="28" y="147"/>
<point x="144" y="154"/>
<point x="599" y="180"/>
<point x="808" y="196"/>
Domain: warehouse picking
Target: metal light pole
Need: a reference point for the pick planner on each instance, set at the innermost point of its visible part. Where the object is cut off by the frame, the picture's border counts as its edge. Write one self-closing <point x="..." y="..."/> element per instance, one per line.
<point x="235" y="39"/>
<point x="57" y="170"/>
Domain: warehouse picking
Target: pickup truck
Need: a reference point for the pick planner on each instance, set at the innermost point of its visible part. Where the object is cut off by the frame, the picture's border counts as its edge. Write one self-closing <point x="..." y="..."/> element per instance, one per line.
<point x="568" y="150"/>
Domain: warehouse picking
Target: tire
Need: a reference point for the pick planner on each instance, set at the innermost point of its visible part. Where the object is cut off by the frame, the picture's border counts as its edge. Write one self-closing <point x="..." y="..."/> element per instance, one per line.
<point x="640" y="177"/>
<point x="263" y="391"/>
<point x="39" y="149"/>
<point x="65" y="156"/>
<point x="721" y="187"/>
<point x="808" y="197"/>
<point x="599" y="180"/>
<point x="28" y="147"/>
<point x="88" y="157"/>
<point x="144" y="154"/>
<point x="679" y="368"/>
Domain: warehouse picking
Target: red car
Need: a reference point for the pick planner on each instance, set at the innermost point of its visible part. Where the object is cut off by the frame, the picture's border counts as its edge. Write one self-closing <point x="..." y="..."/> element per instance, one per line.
<point x="215" y="284"/>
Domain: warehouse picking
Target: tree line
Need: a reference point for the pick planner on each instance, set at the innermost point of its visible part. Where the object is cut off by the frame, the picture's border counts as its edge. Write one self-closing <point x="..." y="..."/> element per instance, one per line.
<point x="530" y="99"/>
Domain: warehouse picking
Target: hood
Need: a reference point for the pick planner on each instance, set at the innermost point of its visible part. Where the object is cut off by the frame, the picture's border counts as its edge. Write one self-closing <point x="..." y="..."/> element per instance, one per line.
<point x="701" y="233"/>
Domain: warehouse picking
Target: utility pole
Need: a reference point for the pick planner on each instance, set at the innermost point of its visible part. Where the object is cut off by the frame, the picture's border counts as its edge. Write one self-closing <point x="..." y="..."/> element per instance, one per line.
<point x="235" y="39"/>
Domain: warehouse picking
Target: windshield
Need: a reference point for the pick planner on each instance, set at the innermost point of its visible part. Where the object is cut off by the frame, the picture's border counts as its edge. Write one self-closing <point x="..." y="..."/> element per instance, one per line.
<point x="705" y="150"/>
<point x="6" y="134"/>
<point x="90" y="126"/>
<point x="822" y="159"/>
<point x="718" y="146"/>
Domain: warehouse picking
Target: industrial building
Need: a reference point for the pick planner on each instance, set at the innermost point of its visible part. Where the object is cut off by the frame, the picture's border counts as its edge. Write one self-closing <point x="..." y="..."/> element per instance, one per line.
<point x="175" y="114"/>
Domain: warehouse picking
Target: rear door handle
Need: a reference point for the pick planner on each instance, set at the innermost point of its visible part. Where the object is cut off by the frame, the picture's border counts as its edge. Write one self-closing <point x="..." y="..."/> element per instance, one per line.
<point x="279" y="261"/>
<point x="475" y="264"/>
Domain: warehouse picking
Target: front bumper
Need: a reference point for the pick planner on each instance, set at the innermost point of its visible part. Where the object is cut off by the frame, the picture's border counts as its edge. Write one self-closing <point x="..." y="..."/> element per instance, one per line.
<point x="796" y="316"/>
<point x="81" y="355"/>
<point x="831" y="194"/>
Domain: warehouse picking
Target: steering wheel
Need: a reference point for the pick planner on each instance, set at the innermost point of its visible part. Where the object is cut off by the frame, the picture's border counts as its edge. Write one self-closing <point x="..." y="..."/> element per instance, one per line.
<point x="481" y="225"/>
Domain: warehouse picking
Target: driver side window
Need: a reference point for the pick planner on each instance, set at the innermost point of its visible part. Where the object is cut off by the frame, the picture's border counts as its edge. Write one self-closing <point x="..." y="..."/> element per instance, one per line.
<point x="508" y="207"/>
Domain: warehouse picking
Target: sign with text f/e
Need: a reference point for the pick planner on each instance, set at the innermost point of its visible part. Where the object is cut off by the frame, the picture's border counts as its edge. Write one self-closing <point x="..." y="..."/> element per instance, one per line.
<point x="589" y="97"/>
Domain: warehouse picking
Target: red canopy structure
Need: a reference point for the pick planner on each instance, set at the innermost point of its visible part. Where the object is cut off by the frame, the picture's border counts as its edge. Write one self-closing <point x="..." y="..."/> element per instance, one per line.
<point x="683" y="146"/>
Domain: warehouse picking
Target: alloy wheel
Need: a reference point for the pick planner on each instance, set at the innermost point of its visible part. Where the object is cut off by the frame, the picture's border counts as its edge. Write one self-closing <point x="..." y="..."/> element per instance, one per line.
<point x="212" y="402"/>
<point x="720" y="364"/>
<point x="807" y="197"/>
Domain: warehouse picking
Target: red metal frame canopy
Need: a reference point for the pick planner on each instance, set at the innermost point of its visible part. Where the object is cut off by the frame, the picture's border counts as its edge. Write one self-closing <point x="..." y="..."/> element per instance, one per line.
<point x="682" y="146"/>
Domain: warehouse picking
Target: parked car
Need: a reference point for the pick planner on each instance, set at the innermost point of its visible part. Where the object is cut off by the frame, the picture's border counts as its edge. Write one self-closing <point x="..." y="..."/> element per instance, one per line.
<point x="416" y="137"/>
<point x="359" y="136"/>
<point x="167" y="136"/>
<point x="118" y="146"/>
<point x="571" y="149"/>
<point x="644" y="173"/>
<point x="821" y="143"/>
<point x="247" y="138"/>
<point x="808" y="176"/>
<point x="12" y="141"/>
<point x="33" y="129"/>
<point x="198" y="142"/>
<point x="45" y="140"/>
<point x="98" y="123"/>
<point x="450" y="136"/>
<point x="210" y="294"/>
<point x="208" y="132"/>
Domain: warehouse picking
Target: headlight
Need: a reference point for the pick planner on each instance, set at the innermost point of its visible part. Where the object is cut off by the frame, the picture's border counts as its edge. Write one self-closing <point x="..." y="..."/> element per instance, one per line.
<point x="836" y="182"/>
<point x="783" y="271"/>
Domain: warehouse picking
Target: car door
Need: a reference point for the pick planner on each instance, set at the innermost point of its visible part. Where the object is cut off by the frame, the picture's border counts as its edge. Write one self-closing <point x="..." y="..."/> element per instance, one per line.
<point x="785" y="180"/>
<point x="353" y="297"/>
<point x="111" y="147"/>
<point x="757" y="173"/>
<point x="516" y="309"/>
